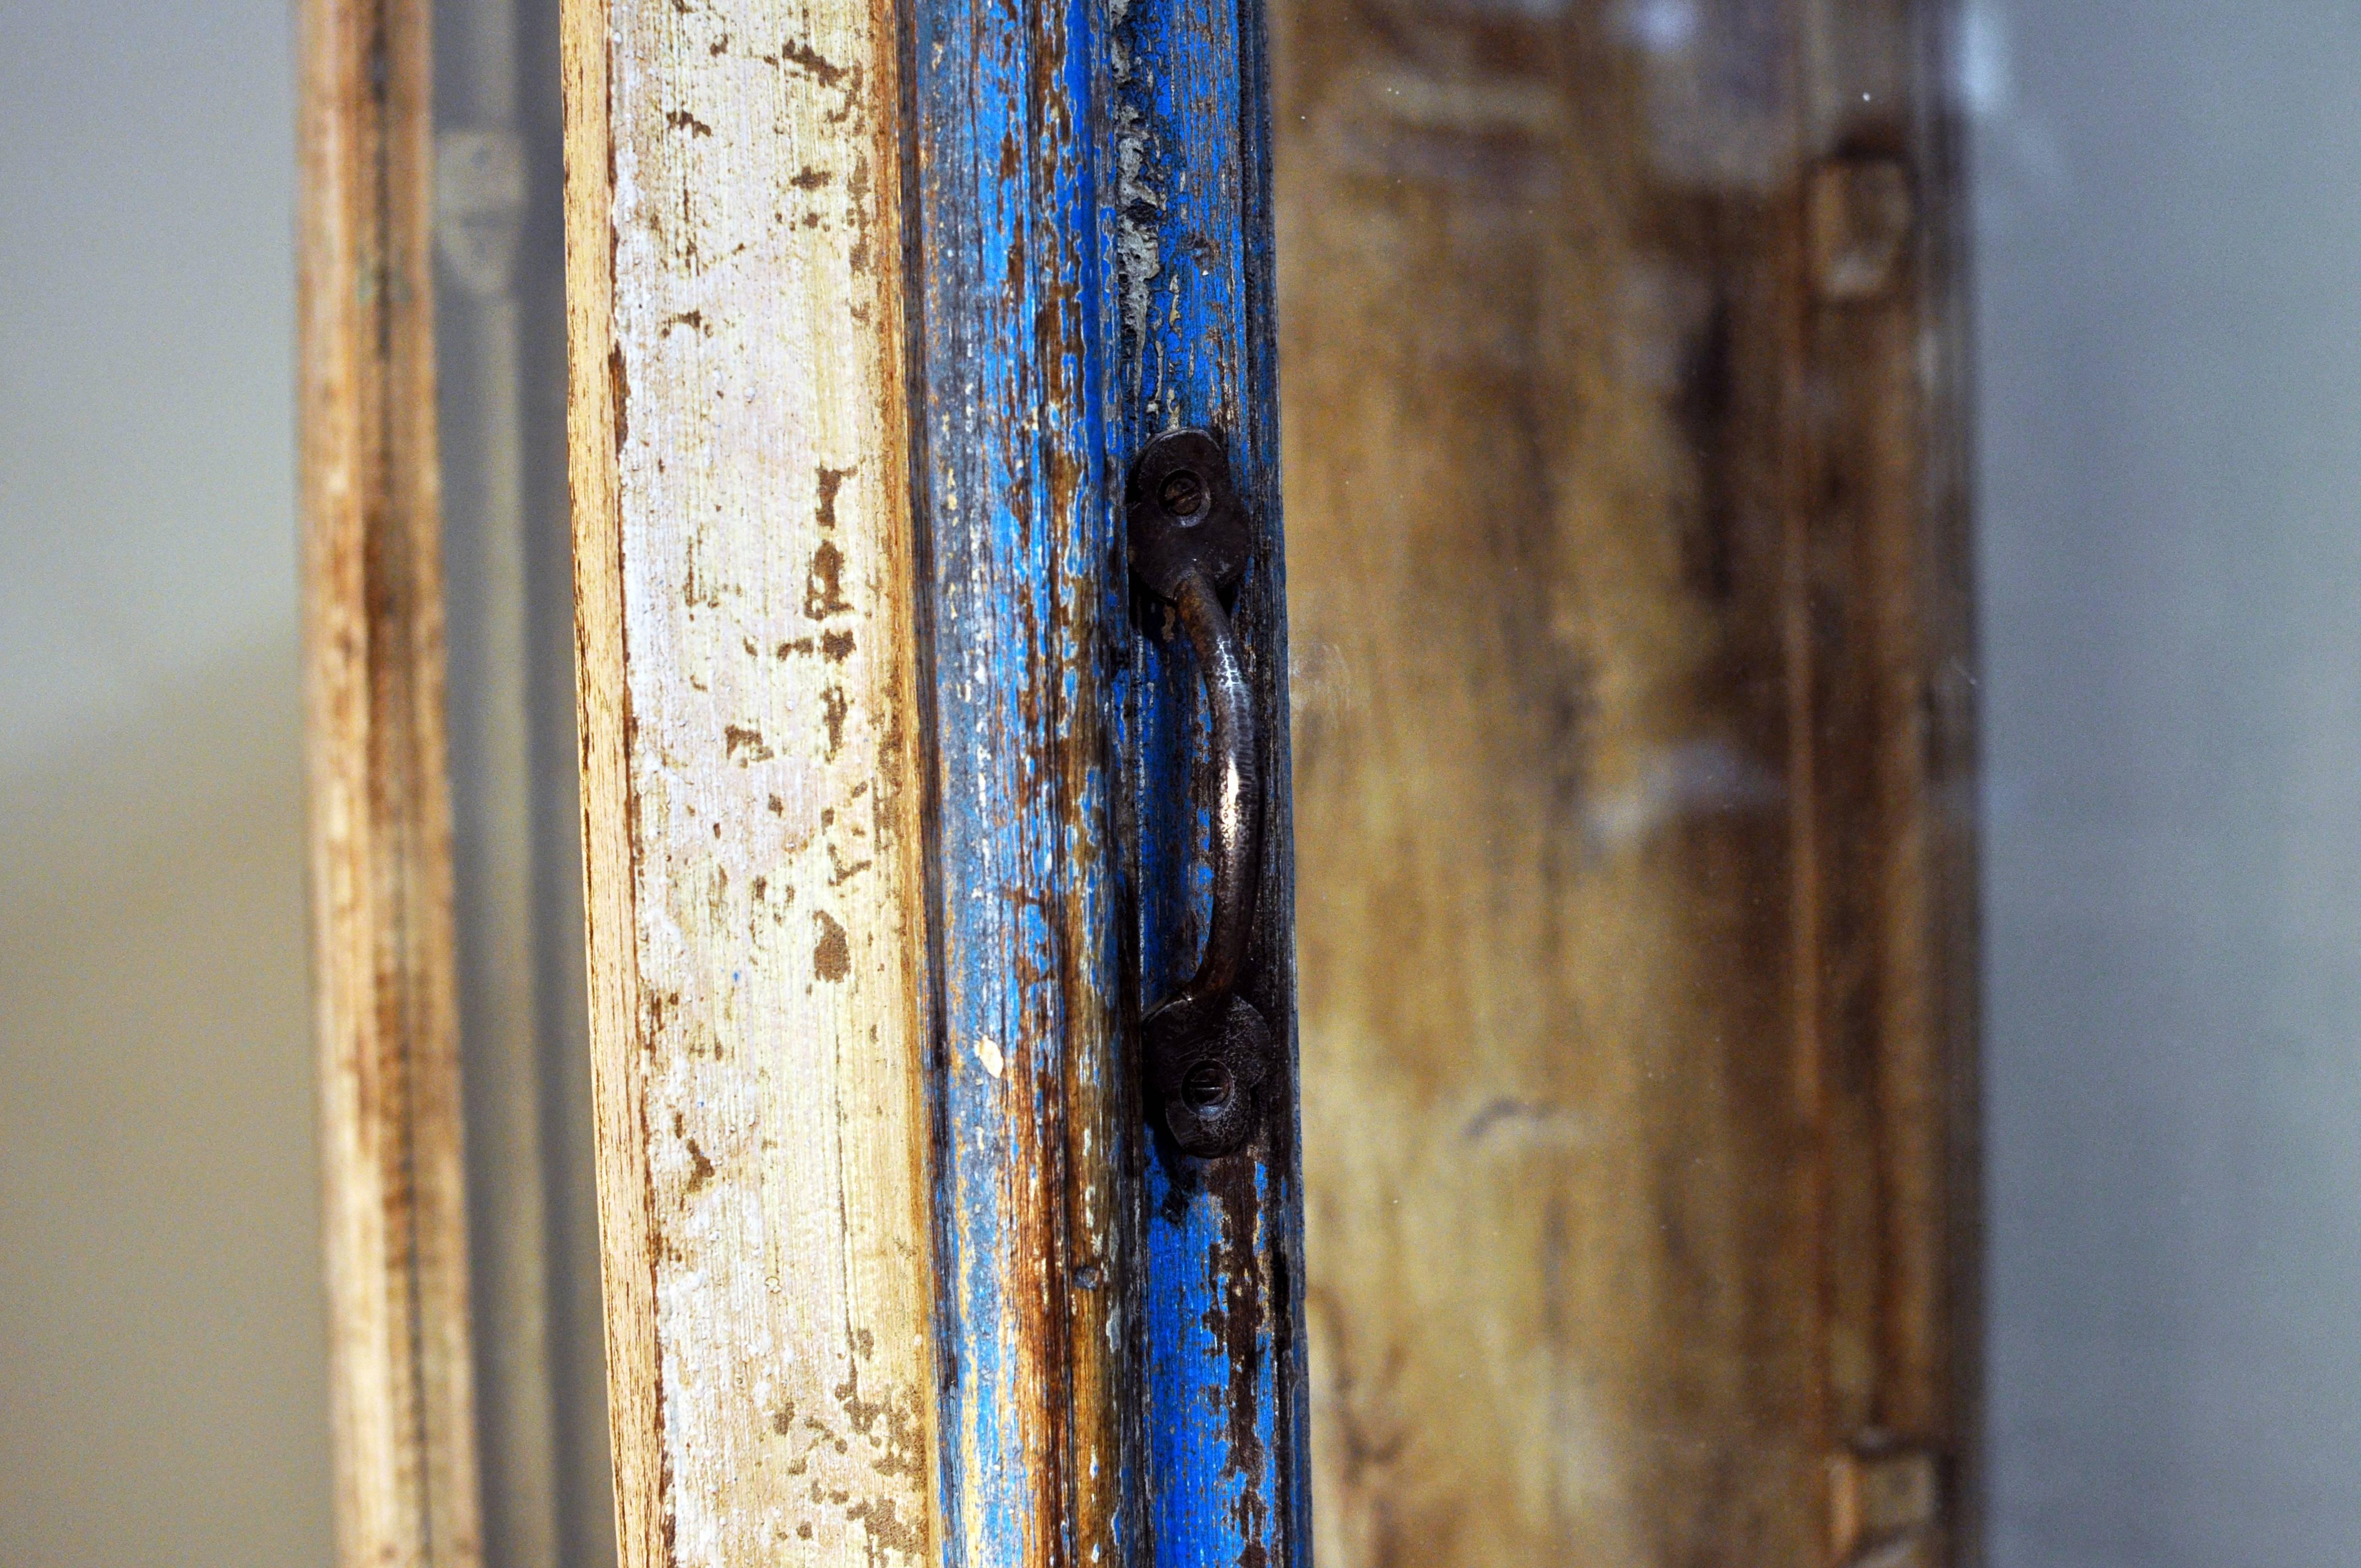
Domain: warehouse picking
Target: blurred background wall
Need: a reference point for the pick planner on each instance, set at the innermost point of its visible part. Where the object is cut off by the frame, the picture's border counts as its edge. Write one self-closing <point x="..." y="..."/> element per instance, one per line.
<point x="163" y="1337"/>
<point x="2169" y="242"/>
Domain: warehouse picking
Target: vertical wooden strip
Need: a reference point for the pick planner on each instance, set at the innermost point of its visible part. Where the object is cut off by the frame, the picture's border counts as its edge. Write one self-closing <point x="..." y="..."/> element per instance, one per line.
<point x="1888" y="587"/>
<point x="1103" y="1142"/>
<point x="1088" y="235"/>
<point x="380" y="807"/>
<point x="745" y="588"/>
<point x="1222" y="1269"/>
<point x="594" y="421"/>
<point x="1037" y="1103"/>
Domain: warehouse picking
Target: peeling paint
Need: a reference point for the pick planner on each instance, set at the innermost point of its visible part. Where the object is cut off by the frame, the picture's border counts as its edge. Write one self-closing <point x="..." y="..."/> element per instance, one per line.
<point x="761" y="534"/>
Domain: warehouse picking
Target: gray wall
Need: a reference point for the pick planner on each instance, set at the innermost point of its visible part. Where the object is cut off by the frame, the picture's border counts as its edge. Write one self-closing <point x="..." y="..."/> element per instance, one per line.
<point x="162" y="1331"/>
<point x="2169" y="246"/>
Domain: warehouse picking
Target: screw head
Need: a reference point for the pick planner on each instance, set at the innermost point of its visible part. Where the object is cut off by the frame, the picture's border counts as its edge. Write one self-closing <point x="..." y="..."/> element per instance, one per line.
<point x="1208" y="1064"/>
<point x="1185" y="496"/>
<point x="1205" y="1086"/>
<point x="1182" y="513"/>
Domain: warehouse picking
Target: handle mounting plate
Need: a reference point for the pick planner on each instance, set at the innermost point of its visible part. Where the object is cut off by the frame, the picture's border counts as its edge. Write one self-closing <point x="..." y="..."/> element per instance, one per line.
<point x="1209" y="1052"/>
<point x="1181" y="512"/>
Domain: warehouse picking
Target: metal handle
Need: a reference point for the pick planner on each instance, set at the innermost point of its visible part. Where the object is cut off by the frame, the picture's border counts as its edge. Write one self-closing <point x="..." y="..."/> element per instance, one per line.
<point x="1208" y="1048"/>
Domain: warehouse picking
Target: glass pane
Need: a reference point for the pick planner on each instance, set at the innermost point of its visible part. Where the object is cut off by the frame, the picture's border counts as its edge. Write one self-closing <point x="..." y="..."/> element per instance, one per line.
<point x="533" y="1218"/>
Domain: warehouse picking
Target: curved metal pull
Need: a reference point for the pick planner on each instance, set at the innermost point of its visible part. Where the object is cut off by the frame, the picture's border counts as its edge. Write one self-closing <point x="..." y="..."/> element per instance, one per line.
<point x="1208" y="1048"/>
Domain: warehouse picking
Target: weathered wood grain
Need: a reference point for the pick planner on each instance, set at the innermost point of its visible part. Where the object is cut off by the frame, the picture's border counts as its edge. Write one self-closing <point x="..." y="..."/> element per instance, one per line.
<point x="1023" y="592"/>
<point x="751" y="789"/>
<point x="1631" y="798"/>
<point x="1083" y="173"/>
<point x="1045" y="1304"/>
<point x="380" y="815"/>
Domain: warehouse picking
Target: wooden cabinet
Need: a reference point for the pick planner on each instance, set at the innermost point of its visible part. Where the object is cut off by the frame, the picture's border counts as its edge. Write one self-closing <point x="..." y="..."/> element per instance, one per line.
<point x="1591" y="376"/>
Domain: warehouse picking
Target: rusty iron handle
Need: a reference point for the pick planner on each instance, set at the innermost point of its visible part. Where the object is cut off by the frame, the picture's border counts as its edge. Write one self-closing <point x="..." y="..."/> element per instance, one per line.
<point x="1238" y="792"/>
<point x="1208" y="1049"/>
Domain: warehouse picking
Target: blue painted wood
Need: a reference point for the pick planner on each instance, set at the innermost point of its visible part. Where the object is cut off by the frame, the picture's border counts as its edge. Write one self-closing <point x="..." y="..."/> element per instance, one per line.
<point x="1121" y="1324"/>
<point x="1225" y="1416"/>
<point x="1011" y="450"/>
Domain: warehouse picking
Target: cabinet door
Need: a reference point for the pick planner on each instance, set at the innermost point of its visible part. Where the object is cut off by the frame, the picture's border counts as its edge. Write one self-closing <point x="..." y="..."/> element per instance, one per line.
<point x="1628" y="584"/>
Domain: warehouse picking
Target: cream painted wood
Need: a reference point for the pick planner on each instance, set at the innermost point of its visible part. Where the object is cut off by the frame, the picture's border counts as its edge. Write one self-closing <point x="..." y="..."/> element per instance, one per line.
<point x="750" y="792"/>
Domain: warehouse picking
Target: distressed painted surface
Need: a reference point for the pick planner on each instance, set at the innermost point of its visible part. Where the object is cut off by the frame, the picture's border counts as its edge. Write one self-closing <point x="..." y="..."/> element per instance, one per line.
<point x="1221" y="1279"/>
<point x="1095" y="251"/>
<point x="1112" y="1328"/>
<point x="751" y="794"/>
<point x="380" y="811"/>
<point x="1038" y="1105"/>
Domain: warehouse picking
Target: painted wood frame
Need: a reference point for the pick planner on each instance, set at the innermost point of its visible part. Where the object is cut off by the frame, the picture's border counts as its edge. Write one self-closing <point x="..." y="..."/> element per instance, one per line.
<point x="888" y="789"/>
<point x="889" y="802"/>
<point x="379" y="804"/>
